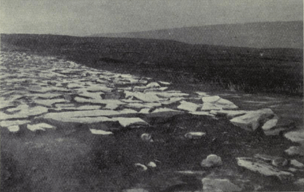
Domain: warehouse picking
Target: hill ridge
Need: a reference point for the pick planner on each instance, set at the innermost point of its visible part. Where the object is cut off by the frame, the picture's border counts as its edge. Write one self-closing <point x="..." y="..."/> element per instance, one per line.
<point x="279" y="34"/>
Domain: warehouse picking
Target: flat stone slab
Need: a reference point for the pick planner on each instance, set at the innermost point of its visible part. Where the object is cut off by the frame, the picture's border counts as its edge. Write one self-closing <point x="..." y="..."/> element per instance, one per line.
<point x="216" y="103"/>
<point x="94" y="95"/>
<point x="71" y="106"/>
<point x="98" y="88"/>
<point x="133" y="121"/>
<point x="110" y="103"/>
<point x="263" y="168"/>
<point x="13" y="122"/>
<point x="45" y="95"/>
<point x="13" y="128"/>
<point x="40" y="126"/>
<point x="152" y="85"/>
<point x="100" y="132"/>
<point x="49" y="102"/>
<point x="188" y="106"/>
<point x="204" y="113"/>
<point x="25" y="112"/>
<point x="171" y="100"/>
<point x="170" y="94"/>
<point x="295" y="136"/>
<point x="253" y="119"/>
<point x="228" y="113"/>
<point x="143" y="105"/>
<point x="295" y="150"/>
<point x="162" y="112"/>
<point x="296" y="163"/>
<point x="219" y="185"/>
<point x="92" y="116"/>
<point x="164" y="82"/>
<point x="195" y="135"/>
<point x="270" y="124"/>
<point x="146" y="97"/>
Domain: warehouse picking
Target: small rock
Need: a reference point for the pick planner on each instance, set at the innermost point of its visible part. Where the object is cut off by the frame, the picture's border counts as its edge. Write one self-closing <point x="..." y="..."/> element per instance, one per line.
<point x="40" y="126"/>
<point x="141" y="166"/>
<point x="274" y="160"/>
<point x="228" y="113"/>
<point x="194" y="135"/>
<point x="13" y="128"/>
<point x="212" y="161"/>
<point x="270" y="124"/>
<point x="279" y="162"/>
<point x="151" y="164"/>
<point x="263" y="168"/>
<point x="252" y="119"/>
<point x="296" y="163"/>
<point x="100" y="132"/>
<point x="300" y="183"/>
<point x="291" y="169"/>
<point x="295" y="136"/>
<point x="189" y="172"/>
<point x="152" y="85"/>
<point x="295" y="150"/>
<point x="146" y="137"/>
<point x="164" y="82"/>
<point x="219" y="185"/>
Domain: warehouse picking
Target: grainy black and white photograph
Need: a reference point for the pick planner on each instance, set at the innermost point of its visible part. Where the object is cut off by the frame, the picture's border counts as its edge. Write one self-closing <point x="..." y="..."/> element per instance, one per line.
<point x="151" y="95"/>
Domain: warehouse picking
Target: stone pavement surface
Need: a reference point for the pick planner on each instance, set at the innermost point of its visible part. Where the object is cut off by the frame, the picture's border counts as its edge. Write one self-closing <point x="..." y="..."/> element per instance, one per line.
<point x="39" y="92"/>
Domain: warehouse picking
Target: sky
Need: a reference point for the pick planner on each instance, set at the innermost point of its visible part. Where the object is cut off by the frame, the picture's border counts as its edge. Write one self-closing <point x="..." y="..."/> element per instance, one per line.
<point x="86" y="17"/>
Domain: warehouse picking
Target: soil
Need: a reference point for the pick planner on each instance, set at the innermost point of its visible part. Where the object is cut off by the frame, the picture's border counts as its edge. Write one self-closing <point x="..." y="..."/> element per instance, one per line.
<point x="70" y="158"/>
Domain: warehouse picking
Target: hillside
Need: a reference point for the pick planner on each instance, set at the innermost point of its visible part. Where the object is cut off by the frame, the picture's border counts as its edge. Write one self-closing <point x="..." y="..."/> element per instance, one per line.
<point x="245" y="69"/>
<point x="257" y="35"/>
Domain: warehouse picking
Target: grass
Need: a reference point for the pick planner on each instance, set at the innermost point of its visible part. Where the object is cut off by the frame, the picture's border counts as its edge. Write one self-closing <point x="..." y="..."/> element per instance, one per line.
<point x="241" y="69"/>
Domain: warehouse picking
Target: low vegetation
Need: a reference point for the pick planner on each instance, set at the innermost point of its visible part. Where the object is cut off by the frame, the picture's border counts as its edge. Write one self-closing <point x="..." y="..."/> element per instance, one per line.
<point x="243" y="69"/>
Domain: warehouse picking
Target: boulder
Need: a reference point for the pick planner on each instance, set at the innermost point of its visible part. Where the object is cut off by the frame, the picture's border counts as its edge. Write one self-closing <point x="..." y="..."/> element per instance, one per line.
<point x="263" y="168"/>
<point x="212" y="160"/>
<point x="219" y="185"/>
<point x="253" y="119"/>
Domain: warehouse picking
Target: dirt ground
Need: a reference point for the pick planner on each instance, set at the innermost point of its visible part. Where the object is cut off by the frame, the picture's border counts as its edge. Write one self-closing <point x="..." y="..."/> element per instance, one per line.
<point x="70" y="158"/>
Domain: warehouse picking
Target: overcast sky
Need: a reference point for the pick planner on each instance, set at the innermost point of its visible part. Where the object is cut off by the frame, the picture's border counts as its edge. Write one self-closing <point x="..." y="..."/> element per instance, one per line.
<point x="86" y="17"/>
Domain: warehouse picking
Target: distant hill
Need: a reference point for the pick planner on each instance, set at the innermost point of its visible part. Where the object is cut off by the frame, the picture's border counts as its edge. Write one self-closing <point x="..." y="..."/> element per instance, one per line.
<point x="257" y="35"/>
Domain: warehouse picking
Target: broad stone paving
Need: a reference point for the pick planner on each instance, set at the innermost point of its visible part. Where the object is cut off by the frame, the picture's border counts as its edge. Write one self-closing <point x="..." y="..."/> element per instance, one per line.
<point x="36" y="88"/>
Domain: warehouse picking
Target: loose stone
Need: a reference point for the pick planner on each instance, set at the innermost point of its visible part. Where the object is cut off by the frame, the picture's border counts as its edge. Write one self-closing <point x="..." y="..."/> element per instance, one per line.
<point x="212" y="160"/>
